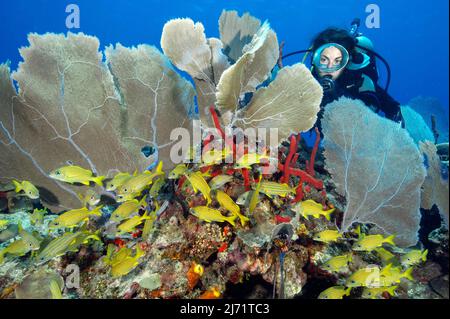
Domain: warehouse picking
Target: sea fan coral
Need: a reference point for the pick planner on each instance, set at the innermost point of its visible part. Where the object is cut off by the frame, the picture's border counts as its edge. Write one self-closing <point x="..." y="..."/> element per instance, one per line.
<point x="435" y="186"/>
<point x="376" y="165"/>
<point x="71" y="109"/>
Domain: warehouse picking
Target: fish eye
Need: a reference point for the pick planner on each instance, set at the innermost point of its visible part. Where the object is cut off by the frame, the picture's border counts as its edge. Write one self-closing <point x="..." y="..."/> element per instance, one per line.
<point x="353" y="282"/>
<point x="58" y="173"/>
<point x="369" y="294"/>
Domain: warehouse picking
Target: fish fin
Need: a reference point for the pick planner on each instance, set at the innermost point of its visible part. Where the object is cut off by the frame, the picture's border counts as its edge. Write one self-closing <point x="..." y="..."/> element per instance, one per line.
<point x="143" y="201"/>
<point x="80" y="196"/>
<point x="391" y="290"/>
<point x="98" y="180"/>
<point x="231" y="220"/>
<point x="386" y="270"/>
<point x="390" y="240"/>
<point x="18" y="186"/>
<point x="408" y="274"/>
<point x="96" y="211"/>
<point x="350" y="257"/>
<point x="424" y="255"/>
<point x="55" y="289"/>
<point x="135" y="172"/>
<point x="159" y="168"/>
<point x="347" y="291"/>
<point x="87" y="183"/>
<point x="2" y="256"/>
<point x="328" y="213"/>
<point x="316" y="215"/>
<point x="139" y="252"/>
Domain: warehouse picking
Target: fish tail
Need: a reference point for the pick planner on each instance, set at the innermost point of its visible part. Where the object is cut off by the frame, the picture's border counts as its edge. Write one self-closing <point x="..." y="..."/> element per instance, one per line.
<point x="347" y="291"/>
<point x="98" y="180"/>
<point x="424" y="255"/>
<point x="231" y="220"/>
<point x="391" y="290"/>
<point x="390" y="240"/>
<point x="328" y="213"/>
<point x="18" y="186"/>
<point x="408" y="274"/>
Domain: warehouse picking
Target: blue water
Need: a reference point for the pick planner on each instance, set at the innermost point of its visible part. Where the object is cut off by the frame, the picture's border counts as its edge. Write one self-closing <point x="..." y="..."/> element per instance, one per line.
<point x="413" y="34"/>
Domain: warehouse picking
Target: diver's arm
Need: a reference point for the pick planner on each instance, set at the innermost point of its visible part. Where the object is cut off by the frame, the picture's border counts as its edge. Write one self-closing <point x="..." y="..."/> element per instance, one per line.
<point x="377" y="98"/>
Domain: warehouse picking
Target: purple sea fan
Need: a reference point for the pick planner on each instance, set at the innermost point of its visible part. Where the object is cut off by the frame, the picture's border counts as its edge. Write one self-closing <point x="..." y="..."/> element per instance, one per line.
<point x="376" y="166"/>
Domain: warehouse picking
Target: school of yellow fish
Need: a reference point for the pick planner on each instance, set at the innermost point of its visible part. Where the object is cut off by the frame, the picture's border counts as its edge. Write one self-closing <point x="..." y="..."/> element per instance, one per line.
<point x="132" y="192"/>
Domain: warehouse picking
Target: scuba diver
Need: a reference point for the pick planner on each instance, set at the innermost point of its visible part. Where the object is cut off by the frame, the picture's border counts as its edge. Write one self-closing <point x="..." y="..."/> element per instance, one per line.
<point x="343" y="62"/>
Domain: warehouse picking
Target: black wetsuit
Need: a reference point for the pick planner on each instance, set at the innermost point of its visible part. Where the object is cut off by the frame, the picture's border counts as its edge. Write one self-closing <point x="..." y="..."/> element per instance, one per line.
<point x="357" y="85"/>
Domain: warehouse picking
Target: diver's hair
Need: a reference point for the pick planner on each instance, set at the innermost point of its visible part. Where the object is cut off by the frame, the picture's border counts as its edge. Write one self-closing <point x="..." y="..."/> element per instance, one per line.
<point x="334" y="35"/>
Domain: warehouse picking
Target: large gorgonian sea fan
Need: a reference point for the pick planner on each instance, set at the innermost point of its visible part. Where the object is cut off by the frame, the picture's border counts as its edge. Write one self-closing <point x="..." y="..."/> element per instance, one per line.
<point x="376" y="166"/>
<point x="73" y="108"/>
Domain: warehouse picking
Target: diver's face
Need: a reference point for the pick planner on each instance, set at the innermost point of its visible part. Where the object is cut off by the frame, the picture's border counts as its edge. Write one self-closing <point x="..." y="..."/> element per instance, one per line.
<point x="331" y="57"/>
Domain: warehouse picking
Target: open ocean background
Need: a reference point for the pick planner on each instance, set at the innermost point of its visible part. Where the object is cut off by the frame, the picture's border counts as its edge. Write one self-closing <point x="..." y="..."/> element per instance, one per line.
<point x="413" y="34"/>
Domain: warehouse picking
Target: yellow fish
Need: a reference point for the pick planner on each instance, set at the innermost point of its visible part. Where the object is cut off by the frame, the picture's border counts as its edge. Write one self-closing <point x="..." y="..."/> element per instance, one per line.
<point x="374" y="293"/>
<point x="148" y="225"/>
<point x="385" y="255"/>
<point x="214" y="157"/>
<point x="336" y="292"/>
<point x="338" y="263"/>
<point x="135" y="185"/>
<point x="55" y="290"/>
<point x="391" y="275"/>
<point x="90" y="198"/>
<point x="21" y="246"/>
<point x="127" y="264"/>
<point x="277" y="189"/>
<point x="156" y="187"/>
<point x="3" y="223"/>
<point x="413" y="257"/>
<point x="118" y="180"/>
<point x="247" y="160"/>
<point x="67" y="242"/>
<point x="179" y="170"/>
<point x="130" y="224"/>
<point x="328" y="236"/>
<point x="255" y="197"/>
<point x="365" y="277"/>
<point x="74" y="217"/>
<point x="227" y="202"/>
<point x="310" y="208"/>
<point x="113" y="258"/>
<point x="127" y="208"/>
<point x="76" y="174"/>
<point x="29" y="189"/>
<point x="37" y="217"/>
<point x="370" y="242"/>
<point x="219" y="181"/>
<point x="199" y="184"/>
<point x="211" y="215"/>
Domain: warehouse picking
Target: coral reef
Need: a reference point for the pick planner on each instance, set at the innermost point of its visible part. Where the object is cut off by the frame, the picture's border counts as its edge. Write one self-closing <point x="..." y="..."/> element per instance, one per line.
<point x="292" y="233"/>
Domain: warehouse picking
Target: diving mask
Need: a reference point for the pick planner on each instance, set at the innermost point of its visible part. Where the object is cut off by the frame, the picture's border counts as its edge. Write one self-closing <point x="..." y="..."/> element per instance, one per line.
<point x="320" y="64"/>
